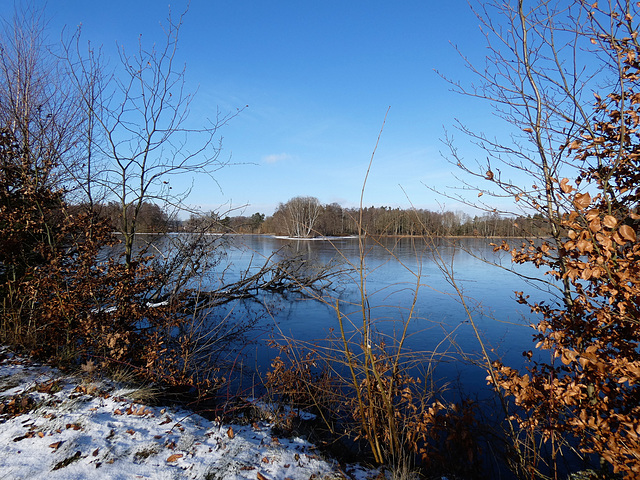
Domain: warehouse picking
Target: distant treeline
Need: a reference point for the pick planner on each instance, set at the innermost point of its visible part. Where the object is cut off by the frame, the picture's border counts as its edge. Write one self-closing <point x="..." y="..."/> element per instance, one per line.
<point x="306" y="217"/>
<point x="150" y="218"/>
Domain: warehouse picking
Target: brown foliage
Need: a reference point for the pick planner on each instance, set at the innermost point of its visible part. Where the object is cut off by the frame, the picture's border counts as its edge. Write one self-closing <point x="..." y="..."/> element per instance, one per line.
<point x="301" y="381"/>
<point x="62" y="300"/>
<point x="420" y="431"/>
<point x="591" y="387"/>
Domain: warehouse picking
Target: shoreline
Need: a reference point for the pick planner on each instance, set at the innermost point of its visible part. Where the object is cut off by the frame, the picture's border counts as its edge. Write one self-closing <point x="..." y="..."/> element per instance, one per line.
<point x="58" y="426"/>
<point x="342" y="237"/>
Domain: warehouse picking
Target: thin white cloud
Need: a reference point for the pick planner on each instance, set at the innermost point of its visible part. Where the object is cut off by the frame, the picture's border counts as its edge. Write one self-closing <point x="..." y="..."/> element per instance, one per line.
<point x="276" y="157"/>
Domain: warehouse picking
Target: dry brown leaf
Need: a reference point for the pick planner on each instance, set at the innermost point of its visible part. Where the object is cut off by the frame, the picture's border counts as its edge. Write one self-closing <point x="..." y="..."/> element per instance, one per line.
<point x="582" y="200"/>
<point x="564" y="185"/>
<point x="575" y="145"/>
<point x="610" y="221"/>
<point x="230" y="433"/>
<point x="627" y="233"/>
<point x="618" y="239"/>
<point x="590" y="214"/>
<point x="175" y="457"/>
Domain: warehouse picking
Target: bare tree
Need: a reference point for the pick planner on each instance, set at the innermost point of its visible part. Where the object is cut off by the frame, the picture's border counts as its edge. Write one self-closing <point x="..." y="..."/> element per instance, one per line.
<point x="144" y="136"/>
<point x="547" y="60"/>
<point x="539" y="77"/>
<point x="38" y="104"/>
<point x="300" y="215"/>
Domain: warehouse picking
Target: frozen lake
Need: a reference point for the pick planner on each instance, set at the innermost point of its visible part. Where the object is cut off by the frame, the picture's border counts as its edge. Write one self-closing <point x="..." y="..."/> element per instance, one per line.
<point x="438" y="324"/>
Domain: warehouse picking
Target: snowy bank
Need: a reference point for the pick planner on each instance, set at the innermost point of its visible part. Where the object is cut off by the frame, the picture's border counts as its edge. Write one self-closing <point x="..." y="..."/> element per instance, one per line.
<point x="55" y="426"/>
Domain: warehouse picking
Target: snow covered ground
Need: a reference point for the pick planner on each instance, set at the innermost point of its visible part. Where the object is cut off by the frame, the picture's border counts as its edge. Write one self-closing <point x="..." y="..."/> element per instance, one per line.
<point x="54" y="426"/>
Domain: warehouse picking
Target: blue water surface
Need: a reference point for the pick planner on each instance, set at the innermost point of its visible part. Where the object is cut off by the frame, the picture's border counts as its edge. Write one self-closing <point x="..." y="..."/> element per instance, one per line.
<point x="438" y="326"/>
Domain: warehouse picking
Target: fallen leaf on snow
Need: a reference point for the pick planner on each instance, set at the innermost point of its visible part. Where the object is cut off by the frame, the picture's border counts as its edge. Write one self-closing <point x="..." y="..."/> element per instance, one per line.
<point x="22" y="437"/>
<point x="140" y="411"/>
<point x="174" y="457"/>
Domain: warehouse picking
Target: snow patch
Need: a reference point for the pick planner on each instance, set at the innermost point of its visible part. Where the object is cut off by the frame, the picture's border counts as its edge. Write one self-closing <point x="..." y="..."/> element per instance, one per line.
<point x="79" y="430"/>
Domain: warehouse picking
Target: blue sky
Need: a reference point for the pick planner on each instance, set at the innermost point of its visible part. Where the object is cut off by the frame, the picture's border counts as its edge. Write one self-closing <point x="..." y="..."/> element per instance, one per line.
<point x="318" y="78"/>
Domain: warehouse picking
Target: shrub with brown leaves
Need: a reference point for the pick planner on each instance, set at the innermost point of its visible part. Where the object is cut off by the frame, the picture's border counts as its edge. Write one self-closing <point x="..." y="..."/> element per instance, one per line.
<point x="590" y="389"/>
<point x="63" y="302"/>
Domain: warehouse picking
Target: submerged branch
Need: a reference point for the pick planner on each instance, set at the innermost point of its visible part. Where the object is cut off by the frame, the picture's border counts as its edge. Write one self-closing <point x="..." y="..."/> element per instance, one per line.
<point x="289" y="275"/>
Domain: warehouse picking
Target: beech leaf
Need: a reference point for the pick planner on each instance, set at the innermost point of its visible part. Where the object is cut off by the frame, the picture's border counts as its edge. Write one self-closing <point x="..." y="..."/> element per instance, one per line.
<point x="564" y="185"/>
<point x="610" y="221"/>
<point x="627" y="233"/>
<point x="582" y="200"/>
<point x="575" y="145"/>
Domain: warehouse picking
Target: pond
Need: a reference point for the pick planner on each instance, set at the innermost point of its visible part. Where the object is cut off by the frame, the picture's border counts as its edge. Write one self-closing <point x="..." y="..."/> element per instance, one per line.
<point x="394" y="268"/>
